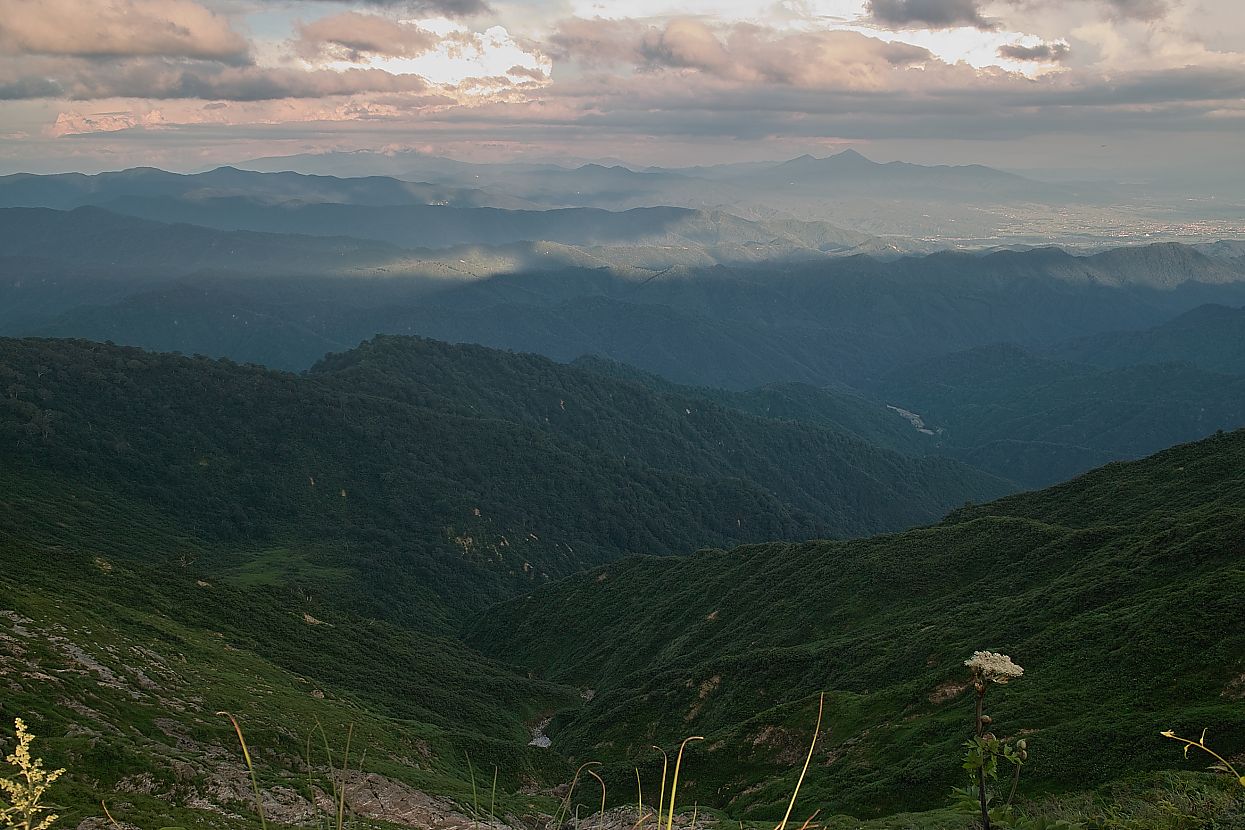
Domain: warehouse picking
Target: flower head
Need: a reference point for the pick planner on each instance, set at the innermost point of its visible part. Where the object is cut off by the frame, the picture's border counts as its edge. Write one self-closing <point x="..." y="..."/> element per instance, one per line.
<point x="990" y="665"/>
<point x="24" y="791"/>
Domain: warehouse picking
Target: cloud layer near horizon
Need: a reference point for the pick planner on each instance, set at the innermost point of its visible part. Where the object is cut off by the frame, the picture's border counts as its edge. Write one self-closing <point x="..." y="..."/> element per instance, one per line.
<point x="447" y="71"/>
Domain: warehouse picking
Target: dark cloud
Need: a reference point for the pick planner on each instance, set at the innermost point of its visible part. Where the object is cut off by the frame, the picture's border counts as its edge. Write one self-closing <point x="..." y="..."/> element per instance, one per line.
<point x="25" y="87"/>
<point x="633" y="108"/>
<point x="1138" y="9"/>
<point x="596" y="42"/>
<point x="928" y="14"/>
<point x="740" y="53"/>
<point x="355" y="37"/>
<point x="527" y="72"/>
<point x="1043" y="52"/>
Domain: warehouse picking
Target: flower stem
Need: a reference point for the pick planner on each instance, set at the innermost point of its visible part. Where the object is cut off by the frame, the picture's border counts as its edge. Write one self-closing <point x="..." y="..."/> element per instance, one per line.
<point x="981" y="770"/>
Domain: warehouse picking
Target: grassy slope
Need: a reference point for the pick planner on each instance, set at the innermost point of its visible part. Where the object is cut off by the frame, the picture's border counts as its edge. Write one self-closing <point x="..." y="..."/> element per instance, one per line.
<point x="1119" y="592"/>
<point x="124" y="633"/>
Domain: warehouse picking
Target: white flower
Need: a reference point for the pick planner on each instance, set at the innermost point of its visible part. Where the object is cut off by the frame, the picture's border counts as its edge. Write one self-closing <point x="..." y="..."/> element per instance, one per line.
<point x="990" y="665"/>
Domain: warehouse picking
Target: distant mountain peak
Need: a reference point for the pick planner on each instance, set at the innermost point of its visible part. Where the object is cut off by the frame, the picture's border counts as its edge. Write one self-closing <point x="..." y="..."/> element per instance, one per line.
<point x="848" y="159"/>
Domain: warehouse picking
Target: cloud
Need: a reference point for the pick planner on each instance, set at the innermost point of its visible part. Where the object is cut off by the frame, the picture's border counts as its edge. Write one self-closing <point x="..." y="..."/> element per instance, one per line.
<point x="356" y="38"/>
<point x="421" y="8"/>
<point x="1044" y="52"/>
<point x="24" y="87"/>
<point x="687" y="44"/>
<point x="622" y="83"/>
<point x="170" y="117"/>
<point x="111" y="28"/>
<point x="595" y="41"/>
<point x="527" y="73"/>
<point x="928" y="14"/>
<point x="1137" y="9"/>
<point x="101" y="122"/>
<point x="167" y="79"/>
<point x="742" y="53"/>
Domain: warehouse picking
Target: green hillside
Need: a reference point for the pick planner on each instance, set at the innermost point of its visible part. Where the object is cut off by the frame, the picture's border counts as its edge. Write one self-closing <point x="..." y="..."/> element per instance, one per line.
<point x="850" y="486"/>
<point x="447" y="467"/>
<point x="1119" y="592"/>
<point x="836" y="406"/>
<point x="123" y="632"/>
<point x="182" y="536"/>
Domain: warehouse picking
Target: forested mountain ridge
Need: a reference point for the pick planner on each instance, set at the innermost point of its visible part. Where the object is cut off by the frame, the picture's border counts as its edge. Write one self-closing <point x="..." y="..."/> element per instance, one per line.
<point x="839" y="407"/>
<point x="1210" y="336"/>
<point x="451" y="466"/>
<point x="1119" y="593"/>
<point x="821" y="470"/>
<point x="1043" y="420"/>
<point x="71" y="190"/>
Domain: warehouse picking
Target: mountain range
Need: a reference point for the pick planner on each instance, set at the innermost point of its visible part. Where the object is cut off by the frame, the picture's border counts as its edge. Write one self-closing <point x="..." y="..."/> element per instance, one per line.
<point x="909" y="204"/>
<point x="500" y="469"/>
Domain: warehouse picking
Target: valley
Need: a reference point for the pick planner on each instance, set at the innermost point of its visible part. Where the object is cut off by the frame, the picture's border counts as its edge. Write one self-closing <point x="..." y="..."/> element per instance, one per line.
<point x="444" y="488"/>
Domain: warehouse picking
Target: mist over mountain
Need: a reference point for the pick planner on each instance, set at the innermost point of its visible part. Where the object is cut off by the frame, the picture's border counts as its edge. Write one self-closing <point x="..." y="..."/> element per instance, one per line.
<point x="833" y="319"/>
<point x="922" y="207"/>
<point x="280" y="281"/>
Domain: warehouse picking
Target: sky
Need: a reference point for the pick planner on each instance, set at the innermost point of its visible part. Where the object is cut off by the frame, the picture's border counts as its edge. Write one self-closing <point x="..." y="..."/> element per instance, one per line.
<point x="1085" y="88"/>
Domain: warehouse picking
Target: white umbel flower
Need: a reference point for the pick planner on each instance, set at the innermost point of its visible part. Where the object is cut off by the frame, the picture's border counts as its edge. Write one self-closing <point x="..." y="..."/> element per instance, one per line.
<point x="991" y="665"/>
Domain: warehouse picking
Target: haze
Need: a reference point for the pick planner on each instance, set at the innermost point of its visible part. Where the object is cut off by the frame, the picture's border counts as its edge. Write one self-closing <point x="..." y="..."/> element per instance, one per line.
<point x="1146" y="91"/>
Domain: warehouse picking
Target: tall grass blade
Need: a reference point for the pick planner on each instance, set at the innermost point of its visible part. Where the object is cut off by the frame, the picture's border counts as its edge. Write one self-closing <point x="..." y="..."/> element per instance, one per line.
<point x="600" y="781"/>
<point x="661" y="793"/>
<point x="475" y="801"/>
<point x="492" y="799"/>
<point x="674" y="783"/>
<point x="564" y="810"/>
<point x="250" y="767"/>
<point x="341" y="799"/>
<point x="639" y="796"/>
<point x="821" y="706"/>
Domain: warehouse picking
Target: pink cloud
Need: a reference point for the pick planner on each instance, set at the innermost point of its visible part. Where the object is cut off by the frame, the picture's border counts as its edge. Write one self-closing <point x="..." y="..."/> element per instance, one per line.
<point x="180" y="28"/>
